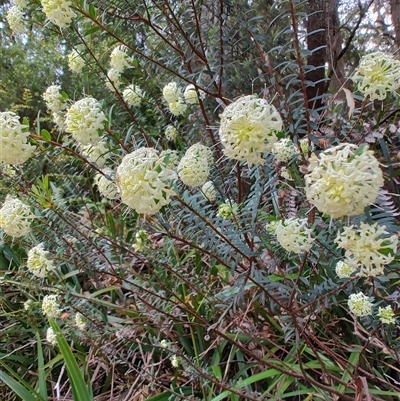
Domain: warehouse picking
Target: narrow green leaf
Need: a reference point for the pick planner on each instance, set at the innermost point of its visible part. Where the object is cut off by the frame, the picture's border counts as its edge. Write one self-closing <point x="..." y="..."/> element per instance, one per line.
<point x="41" y="371"/>
<point x="18" y="389"/>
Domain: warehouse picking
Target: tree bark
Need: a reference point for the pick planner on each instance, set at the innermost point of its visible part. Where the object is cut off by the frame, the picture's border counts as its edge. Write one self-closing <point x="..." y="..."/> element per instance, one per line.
<point x="395" y="12"/>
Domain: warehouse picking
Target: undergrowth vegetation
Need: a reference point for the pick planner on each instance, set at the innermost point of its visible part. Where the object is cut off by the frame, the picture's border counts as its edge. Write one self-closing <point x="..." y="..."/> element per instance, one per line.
<point x="194" y="222"/>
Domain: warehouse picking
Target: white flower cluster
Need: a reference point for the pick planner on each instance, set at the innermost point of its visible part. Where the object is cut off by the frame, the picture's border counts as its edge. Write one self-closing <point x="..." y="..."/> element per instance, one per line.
<point x="360" y="305"/>
<point x="53" y="98"/>
<point x="114" y="76"/>
<point x="14" y="148"/>
<point x="171" y="158"/>
<point x="80" y="321"/>
<point x="171" y="133"/>
<point x="386" y="315"/>
<point x="59" y="12"/>
<point x="15" y="19"/>
<point x="98" y="154"/>
<point x="38" y="262"/>
<point x="172" y="93"/>
<point x="22" y="4"/>
<point x="143" y="181"/>
<point x="15" y="218"/>
<point x="75" y="62"/>
<point x="59" y="120"/>
<point x="119" y="60"/>
<point x="194" y="167"/>
<point x="228" y="209"/>
<point x="106" y="184"/>
<point x="84" y="120"/>
<point x="209" y="191"/>
<point x="177" y="108"/>
<point x="344" y="270"/>
<point x="141" y="238"/>
<point x="190" y="95"/>
<point x="50" y="306"/>
<point x="366" y="248"/>
<point x="293" y="235"/>
<point x="51" y="336"/>
<point x="133" y="95"/>
<point x="377" y="74"/>
<point x="343" y="180"/>
<point x="248" y="129"/>
<point x="284" y="150"/>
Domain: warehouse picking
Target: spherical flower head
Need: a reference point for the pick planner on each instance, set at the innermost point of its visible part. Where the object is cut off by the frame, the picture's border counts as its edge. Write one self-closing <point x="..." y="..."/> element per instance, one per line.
<point x="143" y="181"/>
<point x="228" y="210"/>
<point x="15" y="218"/>
<point x="141" y="237"/>
<point x="344" y="270"/>
<point x="15" y="19"/>
<point x="305" y="146"/>
<point x="360" y="305"/>
<point x="377" y="74"/>
<point x="80" y="321"/>
<point x="98" y="154"/>
<point x="284" y="150"/>
<point x="175" y="361"/>
<point x="164" y="344"/>
<point x="172" y="93"/>
<point x="201" y="151"/>
<point x="59" y="12"/>
<point x="177" y="108"/>
<point x="171" y="158"/>
<point x="133" y="95"/>
<point x="368" y="247"/>
<point x="386" y="315"/>
<point x="38" y="262"/>
<point x="343" y="180"/>
<point x="53" y="98"/>
<point x="294" y="235"/>
<point x="209" y="191"/>
<point x="119" y="60"/>
<point x="193" y="170"/>
<point x="22" y="4"/>
<point x="84" y="119"/>
<point x="75" y="62"/>
<point x="248" y="129"/>
<point x="114" y="76"/>
<point x="106" y="184"/>
<point x="190" y="95"/>
<point x="14" y="148"/>
<point x="51" y="336"/>
<point x="271" y="227"/>
<point x="50" y="307"/>
<point x="171" y="133"/>
<point x="28" y="305"/>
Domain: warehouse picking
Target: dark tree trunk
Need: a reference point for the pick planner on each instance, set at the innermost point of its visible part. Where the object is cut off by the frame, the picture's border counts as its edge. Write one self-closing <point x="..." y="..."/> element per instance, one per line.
<point x="395" y="12"/>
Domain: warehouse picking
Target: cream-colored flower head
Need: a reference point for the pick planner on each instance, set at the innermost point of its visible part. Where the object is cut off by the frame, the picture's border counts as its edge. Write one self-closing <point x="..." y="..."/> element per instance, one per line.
<point x="143" y="181"/>
<point x="80" y="321"/>
<point x="177" y="108"/>
<point x="75" y="62"/>
<point x="386" y="315"/>
<point x="106" y="184"/>
<point x="367" y="247"/>
<point x="360" y="305"/>
<point x="14" y="148"/>
<point x="119" y="59"/>
<point x="171" y="133"/>
<point x="201" y="151"/>
<point x="190" y="95"/>
<point x="248" y="129"/>
<point x="193" y="170"/>
<point x="51" y="336"/>
<point x="294" y="235"/>
<point x="98" y="154"/>
<point x="38" y="262"/>
<point x="133" y="95"/>
<point x="53" y="98"/>
<point x="284" y="150"/>
<point x="50" y="306"/>
<point x="343" y="180"/>
<point x="22" y="4"/>
<point x="228" y="209"/>
<point x="15" y="19"/>
<point x="113" y="80"/>
<point x="377" y="75"/>
<point x="344" y="270"/>
<point x="172" y="93"/>
<point x="59" y="12"/>
<point x="15" y="218"/>
<point x="209" y="191"/>
<point x="84" y="119"/>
